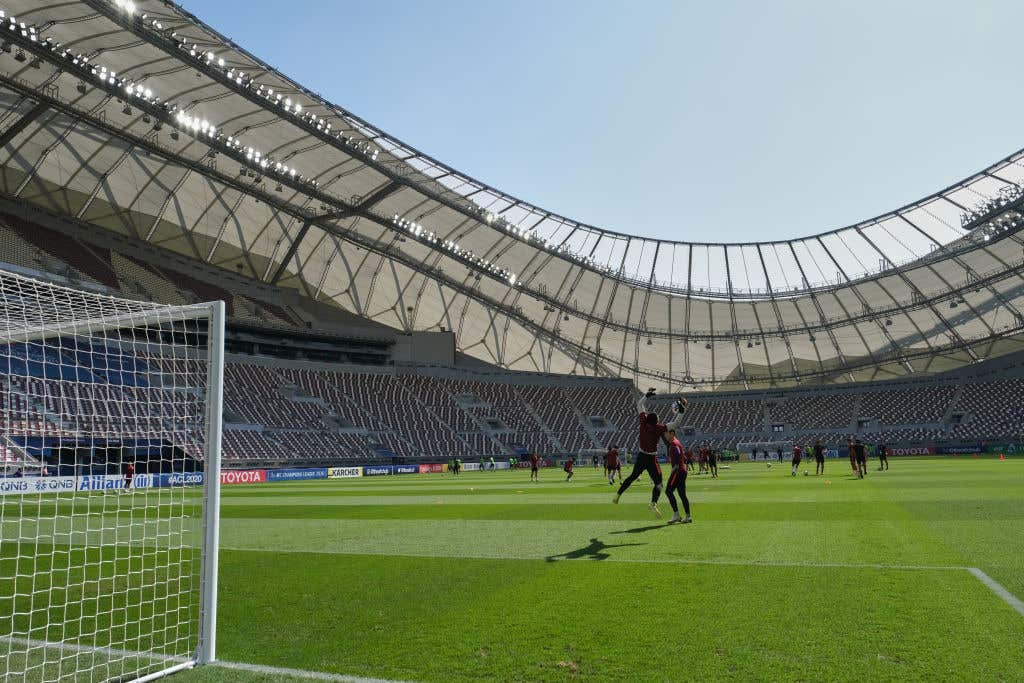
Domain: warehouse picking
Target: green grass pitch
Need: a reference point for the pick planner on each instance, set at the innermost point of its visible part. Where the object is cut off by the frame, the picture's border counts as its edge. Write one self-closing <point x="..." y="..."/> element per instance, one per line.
<point x="490" y="577"/>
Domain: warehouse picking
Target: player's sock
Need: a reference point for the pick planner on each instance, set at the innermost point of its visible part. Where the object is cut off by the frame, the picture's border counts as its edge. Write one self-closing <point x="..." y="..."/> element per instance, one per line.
<point x="654" y="508"/>
<point x="616" y="498"/>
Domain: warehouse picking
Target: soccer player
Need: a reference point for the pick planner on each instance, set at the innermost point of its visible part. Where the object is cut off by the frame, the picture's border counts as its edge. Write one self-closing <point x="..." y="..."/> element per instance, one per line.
<point x="797" y="455"/>
<point x="492" y="464"/>
<point x="129" y="475"/>
<point x="713" y="462"/>
<point x="819" y="458"/>
<point x="853" y="455"/>
<point x="651" y="432"/>
<point x="862" y="459"/>
<point x="568" y="467"/>
<point x="883" y="457"/>
<point x="677" y="478"/>
<point x="611" y="464"/>
<point x="534" y="461"/>
<point x="780" y="453"/>
<point x="458" y="466"/>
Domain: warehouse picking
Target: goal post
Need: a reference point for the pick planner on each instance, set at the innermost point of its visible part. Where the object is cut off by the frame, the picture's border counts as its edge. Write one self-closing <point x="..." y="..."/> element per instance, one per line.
<point x="109" y="487"/>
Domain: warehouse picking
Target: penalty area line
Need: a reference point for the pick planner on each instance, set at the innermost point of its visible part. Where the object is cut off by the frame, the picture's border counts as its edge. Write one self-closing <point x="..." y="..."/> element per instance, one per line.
<point x="1000" y="590"/>
<point x="298" y="673"/>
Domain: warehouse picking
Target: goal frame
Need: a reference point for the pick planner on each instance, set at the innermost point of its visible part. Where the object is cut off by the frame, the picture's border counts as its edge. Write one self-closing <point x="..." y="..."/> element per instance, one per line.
<point x="214" y="312"/>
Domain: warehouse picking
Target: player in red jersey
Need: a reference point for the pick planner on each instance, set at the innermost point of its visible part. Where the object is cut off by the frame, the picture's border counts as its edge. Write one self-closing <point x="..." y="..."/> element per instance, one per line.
<point x="129" y="475"/>
<point x="612" y="465"/>
<point x="797" y="455"/>
<point x="651" y="432"/>
<point x="534" y="461"/>
<point x="677" y="478"/>
<point x="568" y="467"/>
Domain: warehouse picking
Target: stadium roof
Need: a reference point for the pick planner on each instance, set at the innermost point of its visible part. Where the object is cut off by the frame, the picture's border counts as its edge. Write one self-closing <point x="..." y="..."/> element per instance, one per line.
<point x="139" y="118"/>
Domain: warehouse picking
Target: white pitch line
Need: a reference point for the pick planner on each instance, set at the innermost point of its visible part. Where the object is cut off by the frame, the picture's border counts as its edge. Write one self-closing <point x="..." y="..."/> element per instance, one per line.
<point x="299" y="673"/>
<point x="997" y="588"/>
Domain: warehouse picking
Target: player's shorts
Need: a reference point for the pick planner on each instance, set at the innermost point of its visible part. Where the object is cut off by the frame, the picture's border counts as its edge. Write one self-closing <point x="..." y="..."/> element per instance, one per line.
<point x="796" y="461"/>
<point x="533" y="468"/>
<point x="862" y="458"/>
<point x="820" y="459"/>
<point x="676" y="477"/>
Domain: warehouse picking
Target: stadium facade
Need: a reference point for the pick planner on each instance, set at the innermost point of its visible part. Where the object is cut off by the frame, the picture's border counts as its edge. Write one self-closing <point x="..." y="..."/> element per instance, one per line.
<point x="141" y="122"/>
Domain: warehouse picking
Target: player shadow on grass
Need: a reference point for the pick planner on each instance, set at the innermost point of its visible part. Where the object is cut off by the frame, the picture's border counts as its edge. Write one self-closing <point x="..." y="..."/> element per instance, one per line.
<point x="641" y="529"/>
<point x="594" y="551"/>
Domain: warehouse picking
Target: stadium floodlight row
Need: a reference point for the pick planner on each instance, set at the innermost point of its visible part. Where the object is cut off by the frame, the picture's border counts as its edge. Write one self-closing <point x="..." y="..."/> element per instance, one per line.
<point x="155" y="126"/>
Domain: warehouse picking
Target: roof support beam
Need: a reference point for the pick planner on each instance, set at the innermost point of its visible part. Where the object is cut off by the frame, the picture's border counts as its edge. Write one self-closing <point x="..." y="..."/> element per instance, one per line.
<point x="377" y="196"/>
<point x="291" y="252"/>
<point x="22" y="123"/>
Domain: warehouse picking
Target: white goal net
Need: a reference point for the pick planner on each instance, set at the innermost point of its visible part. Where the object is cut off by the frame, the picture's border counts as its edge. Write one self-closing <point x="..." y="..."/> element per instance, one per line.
<point x="109" y="484"/>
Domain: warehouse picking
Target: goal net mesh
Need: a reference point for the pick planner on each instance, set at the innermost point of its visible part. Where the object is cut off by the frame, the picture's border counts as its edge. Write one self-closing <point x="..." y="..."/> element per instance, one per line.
<point x="103" y="442"/>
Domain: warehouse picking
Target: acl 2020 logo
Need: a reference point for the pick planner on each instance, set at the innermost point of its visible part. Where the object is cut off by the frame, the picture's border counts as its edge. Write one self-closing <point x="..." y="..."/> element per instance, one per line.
<point x="182" y="479"/>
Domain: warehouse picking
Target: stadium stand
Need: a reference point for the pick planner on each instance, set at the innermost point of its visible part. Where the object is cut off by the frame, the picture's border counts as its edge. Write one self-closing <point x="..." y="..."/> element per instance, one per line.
<point x="329" y="409"/>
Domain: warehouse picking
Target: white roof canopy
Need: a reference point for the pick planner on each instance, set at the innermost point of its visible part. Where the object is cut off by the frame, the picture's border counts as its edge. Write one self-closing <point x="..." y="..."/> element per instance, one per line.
<point x="149" y="123"/>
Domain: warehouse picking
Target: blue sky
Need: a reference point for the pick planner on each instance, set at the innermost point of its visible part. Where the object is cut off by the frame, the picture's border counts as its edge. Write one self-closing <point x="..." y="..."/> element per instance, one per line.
<point x="680" y="120"/>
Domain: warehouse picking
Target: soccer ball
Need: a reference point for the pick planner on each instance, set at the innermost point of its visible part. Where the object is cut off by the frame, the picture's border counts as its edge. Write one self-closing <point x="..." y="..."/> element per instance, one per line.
<point x="769" y="465"/>
<point x="805" y="473"/>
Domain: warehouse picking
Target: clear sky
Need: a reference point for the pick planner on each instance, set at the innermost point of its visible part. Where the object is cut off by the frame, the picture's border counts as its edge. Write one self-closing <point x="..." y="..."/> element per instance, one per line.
<point x="681" y="120"/>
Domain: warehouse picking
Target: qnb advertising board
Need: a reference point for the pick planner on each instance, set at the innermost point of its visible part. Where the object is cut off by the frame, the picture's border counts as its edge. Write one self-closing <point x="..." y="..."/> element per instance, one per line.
<point x="97" y="482"/>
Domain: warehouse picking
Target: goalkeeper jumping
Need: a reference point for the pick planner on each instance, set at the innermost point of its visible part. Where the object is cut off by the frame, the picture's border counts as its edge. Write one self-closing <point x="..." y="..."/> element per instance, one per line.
<point x="651" y="432"/>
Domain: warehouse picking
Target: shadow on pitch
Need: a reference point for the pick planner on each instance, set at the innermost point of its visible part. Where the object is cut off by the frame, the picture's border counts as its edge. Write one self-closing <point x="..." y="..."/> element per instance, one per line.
<point x="594" y="551"/>
<point x="642" y="529"/>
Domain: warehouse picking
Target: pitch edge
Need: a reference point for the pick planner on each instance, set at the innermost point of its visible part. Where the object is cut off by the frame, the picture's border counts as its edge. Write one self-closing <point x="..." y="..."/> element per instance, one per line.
<point x="299" y="673"/>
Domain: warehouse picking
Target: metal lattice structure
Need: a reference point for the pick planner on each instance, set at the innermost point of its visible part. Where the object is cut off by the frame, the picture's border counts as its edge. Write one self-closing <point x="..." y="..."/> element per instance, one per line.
<point x="139" y="118"/>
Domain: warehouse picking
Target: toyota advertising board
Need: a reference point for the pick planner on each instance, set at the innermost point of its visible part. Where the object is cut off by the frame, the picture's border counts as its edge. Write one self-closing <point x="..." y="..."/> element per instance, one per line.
<point x="231" y="477"/>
